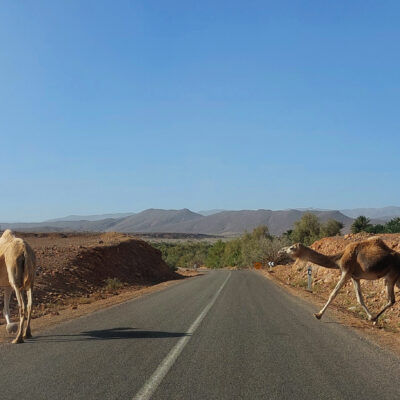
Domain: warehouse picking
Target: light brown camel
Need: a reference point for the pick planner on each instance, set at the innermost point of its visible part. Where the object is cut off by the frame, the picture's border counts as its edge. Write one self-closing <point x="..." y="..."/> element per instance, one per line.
<point x="370" y="259"/>
<point x="17" y="271"/>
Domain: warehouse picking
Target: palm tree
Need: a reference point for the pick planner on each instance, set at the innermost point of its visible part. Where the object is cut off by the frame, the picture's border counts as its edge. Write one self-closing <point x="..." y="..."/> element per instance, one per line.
<point x="360" y="224"/>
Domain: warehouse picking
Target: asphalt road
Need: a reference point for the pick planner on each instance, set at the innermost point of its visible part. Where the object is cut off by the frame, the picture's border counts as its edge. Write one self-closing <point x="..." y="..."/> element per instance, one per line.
<point x="224" y="335"/>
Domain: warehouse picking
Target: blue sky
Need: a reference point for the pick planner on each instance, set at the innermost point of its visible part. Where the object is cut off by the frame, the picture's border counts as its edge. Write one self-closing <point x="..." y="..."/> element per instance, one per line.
<point x="112" y="106"/>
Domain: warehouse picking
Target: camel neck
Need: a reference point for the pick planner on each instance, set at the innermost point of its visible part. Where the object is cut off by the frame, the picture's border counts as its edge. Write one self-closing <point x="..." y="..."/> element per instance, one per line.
<point x="318" y="258"/>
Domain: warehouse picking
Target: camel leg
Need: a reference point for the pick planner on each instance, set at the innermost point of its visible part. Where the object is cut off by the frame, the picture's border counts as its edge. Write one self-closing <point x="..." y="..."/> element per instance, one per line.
<point x="360" y="299"/>
<point x="27" y="333"/>
<point x="6" y="309"/>
<point x="342" y="281"/>
<point x="11" y="326"/>
<point x="21" y="308"/>
<point x="390" y="296"/>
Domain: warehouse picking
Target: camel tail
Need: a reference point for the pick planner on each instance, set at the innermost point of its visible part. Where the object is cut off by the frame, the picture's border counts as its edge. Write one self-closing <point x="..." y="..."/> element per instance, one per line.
<point x="19" y="271"/>
<point x="29" y="269"/>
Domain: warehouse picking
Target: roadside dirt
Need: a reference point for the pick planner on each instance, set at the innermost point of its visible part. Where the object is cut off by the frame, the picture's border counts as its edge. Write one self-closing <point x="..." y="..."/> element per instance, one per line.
<point x="80" y="273"/>
<point x="345" y="308"/>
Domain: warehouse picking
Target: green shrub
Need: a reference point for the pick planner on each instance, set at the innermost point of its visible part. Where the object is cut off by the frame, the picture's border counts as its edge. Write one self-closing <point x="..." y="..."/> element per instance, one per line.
<point x="215" y="258"/>
<point x="184" y="254"/>
<point x="308" y="229"/>
<point x="360" y="224"/>
<point x="331" y="228"/>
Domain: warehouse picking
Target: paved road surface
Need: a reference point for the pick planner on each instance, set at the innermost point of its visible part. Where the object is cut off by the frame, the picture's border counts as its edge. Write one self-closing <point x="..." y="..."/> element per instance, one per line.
<point x="224" y="335"/>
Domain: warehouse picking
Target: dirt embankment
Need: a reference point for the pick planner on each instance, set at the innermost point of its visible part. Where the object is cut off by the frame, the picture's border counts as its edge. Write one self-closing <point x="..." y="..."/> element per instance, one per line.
<point x="76" y="269"/>
<point x="324" y="280"/>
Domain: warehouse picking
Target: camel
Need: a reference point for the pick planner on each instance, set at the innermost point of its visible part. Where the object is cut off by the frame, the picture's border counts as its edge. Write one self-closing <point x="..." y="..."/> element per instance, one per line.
<point x="17" y="271"/>
<point x="369" y="259"/>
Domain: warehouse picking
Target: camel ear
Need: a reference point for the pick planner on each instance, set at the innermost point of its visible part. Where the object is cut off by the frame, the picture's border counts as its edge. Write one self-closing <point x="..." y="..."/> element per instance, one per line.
<point x="295" y="247"/>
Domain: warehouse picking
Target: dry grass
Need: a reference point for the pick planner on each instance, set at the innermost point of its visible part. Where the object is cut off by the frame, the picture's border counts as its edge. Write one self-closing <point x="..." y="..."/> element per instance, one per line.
<point x="113" y="284"/>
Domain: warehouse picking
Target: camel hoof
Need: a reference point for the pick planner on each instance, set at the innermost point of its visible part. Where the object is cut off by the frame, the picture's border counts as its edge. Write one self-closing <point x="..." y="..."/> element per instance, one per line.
<point x="317" y="315"/>
<point x="12" y="327"/>
<point x="27" y="335"/>
<point x="18" y="340"/>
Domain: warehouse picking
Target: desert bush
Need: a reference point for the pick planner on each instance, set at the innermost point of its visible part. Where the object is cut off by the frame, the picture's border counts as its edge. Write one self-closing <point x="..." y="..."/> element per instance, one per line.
<point x="183" y="255"/>
<point x="308" y="229"/>
<point x="260" y="248"/>
<point x="113" y="284"/>
<point x="215" y="258"/>
<point x="233" y="253"/>
<point x="331" y="228"/>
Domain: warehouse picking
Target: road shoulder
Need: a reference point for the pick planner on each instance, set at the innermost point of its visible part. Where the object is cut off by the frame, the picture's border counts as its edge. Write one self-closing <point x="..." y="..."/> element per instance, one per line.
<point x="66" y="314"/>
<point x="377" y="335"/>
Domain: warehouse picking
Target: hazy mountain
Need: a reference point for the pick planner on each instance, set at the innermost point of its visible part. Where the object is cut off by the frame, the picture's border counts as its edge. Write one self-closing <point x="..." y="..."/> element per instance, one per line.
<point x="311" y="209"/>
<point x="384" y="213"/>
<point x="210" y="212"/>
<point x="76" y="226"/>
<point x="155" y="220"/>
<point x="236" y="222"/>
<point x="97" y="217"/>
<point x="186" y="221"/>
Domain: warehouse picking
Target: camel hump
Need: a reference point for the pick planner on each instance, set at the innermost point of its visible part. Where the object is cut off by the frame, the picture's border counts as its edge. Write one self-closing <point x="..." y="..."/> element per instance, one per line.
<point x="374" y="239"/>
<point x="8" y="234"/>
<point x="377" y="241"/>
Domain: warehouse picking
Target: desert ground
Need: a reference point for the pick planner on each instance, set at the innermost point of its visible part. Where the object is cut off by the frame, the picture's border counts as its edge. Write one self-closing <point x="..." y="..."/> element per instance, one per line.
<point x="79" y="273"/>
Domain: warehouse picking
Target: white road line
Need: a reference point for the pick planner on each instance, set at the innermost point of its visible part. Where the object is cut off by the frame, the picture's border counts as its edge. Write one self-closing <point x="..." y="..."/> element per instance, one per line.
<point x="154" y="381"/>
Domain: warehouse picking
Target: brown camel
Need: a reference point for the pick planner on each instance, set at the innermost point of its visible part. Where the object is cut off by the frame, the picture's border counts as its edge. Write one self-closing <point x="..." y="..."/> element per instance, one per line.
<point x="17" y="271"/>
<point x="370" y="259"/>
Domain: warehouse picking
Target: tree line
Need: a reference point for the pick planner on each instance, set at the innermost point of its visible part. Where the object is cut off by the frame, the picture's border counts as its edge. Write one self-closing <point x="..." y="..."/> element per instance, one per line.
<point x="256" y="246"/>
<point x="363" y="224"/>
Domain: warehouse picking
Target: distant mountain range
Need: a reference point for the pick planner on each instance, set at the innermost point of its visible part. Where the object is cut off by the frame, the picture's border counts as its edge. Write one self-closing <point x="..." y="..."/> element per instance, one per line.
<point x="384" y="213"/>
<point x="210" y="212"/>
<point x="213" y="222"/>
<point x="184" y="221"/>
<point x="96" y="217"/>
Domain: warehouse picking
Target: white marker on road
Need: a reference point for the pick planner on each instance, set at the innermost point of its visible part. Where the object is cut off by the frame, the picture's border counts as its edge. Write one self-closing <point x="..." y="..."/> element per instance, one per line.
<point x="152" y="384"/>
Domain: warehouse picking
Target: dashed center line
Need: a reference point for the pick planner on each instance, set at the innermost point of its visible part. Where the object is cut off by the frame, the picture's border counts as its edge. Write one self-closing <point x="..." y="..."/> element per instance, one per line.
<point x="154" y="381"/>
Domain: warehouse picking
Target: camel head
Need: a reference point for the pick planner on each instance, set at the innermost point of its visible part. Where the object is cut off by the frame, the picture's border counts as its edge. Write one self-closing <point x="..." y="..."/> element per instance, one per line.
<point x="294" y="251"/>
